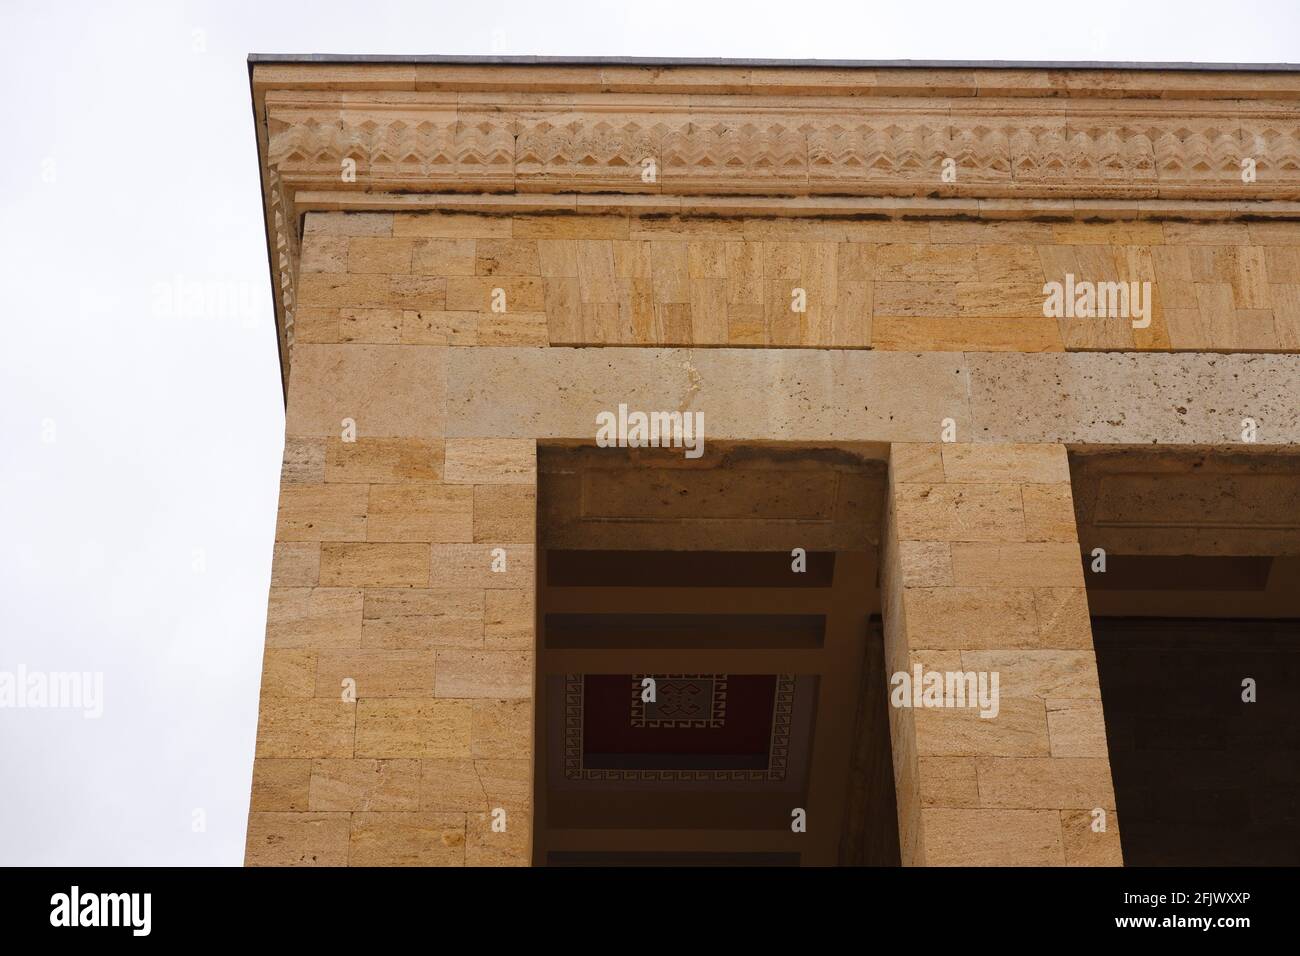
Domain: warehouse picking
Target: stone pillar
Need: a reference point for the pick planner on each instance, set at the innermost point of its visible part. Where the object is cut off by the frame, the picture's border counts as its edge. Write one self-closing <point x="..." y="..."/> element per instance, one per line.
<point x="982" y="573"/>
<point x="396" y="714"/>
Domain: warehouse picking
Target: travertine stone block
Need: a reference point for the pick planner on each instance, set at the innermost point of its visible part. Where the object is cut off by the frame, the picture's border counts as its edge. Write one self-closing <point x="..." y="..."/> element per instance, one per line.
<point x="313" y="617"/>
<point x="295" y="564"/>
<point x="288" y="672"/>
<point x="1001" y="565"/>
<point x="383" y="460"/>
<point x="452" y="785"/>
<point x="420" y="512"/>
<point x="280" y="784"/>
<point x="960" y="837"/>
<point x="1059" y="782"/>
<point x="375" y="565"/>
<point x="948" y="782"/>
<point x="407" y="839"/>
<point x="404" y="727"/>
<point x="365" y="785"/>
<point x="472" y="566"/>
<point x="297" y="839"/>
<point x="1076" y="726"/>
<point x="375" y="673"/>
<point x="954" y="512"/>
<point x="489" y="846"/>
<point x="500" y="675"/>
<point x="1049" y="513"/>
<point x="486" y="461"/>
<point x="971" y="617"/>
<point x="330" y="383"/>
<point x="1056" y="676"/>
<point x="1019" y="730"/>
<point x="502" y="729"/>
<point x="292" y="727"/>
<point x="505" y="513"/>
<point x="925" y="564"/>
<point x="1039" y="464"/>
<point x="1085" y="844"/>
<point x="508" y="620"/>
<point x="415" y="618"/>
<point x="304" y="461"/>
<point x="322" y="513"/>
<point x="374" y="326"/>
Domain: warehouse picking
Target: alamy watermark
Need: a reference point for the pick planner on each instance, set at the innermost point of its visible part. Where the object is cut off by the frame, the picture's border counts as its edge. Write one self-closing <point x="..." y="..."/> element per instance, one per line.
<point x="74" y="908"/>
<point x="923" y="688"/>
<point x="190" y="297"/>
<point x="1074" y="299"/>
<point x="651" y="430"/>
<point x="53" y="690"/>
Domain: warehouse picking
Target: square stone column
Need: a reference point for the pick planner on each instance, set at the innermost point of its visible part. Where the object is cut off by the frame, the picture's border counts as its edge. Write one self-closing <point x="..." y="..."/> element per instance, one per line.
<point x="395" y="723"/>
<point x="982" y="573"/>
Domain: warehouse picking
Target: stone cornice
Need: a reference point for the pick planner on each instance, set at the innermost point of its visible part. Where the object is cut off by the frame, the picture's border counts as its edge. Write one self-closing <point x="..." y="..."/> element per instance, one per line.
<point x="751" y="140"/>
<point x="763" y="145"/>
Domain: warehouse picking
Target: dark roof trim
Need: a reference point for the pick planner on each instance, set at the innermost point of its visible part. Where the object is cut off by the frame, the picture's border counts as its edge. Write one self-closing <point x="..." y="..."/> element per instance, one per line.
<point x="492" y="60"/>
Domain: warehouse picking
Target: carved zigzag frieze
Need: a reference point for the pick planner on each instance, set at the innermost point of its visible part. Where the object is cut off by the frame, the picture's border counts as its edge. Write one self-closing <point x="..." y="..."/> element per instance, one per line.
<point x="1162" y="151"/>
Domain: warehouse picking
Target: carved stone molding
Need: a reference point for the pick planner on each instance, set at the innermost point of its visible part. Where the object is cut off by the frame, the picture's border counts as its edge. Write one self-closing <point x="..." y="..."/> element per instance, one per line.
<point x="850" y="146"/>
<point x="994" y="143"/>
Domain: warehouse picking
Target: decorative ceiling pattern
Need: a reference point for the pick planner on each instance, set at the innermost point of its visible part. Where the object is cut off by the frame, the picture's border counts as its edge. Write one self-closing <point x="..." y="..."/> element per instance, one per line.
<point x="705" y="728"/>
<point x="679" y="700"/>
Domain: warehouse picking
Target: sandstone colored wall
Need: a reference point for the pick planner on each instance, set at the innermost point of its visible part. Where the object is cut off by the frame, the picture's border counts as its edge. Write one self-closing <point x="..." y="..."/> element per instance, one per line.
<point x="383" y="546"/>
<point x="982" y="573"/>
<point x="382" y="577"/>
<point x="945" y="286"/>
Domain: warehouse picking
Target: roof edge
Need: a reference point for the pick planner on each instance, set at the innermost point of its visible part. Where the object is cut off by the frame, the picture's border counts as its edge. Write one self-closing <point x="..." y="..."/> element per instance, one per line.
<point x="690" y="61"/>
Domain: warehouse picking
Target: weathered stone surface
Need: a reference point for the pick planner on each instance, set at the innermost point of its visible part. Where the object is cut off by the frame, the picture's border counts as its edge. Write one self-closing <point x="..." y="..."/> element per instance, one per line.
<point x="337" y="382"/>
<point x="1110" y="398"/>
<point x="280" y="784"/>
<point x="1019" y="730"/>
<point x="297" y="839"/>
<point x="485" y="461"/>
<point x="365" y="785"/>
<point x="499" y="675"/>
<point x="1087" y="846"/>
<point x="420" y="512"/>
<point x="971" y="617"/>
<point x="375" y="565"/>
<point x="375" y="673"/>
<point x="313" y="617"/>
<point x="806" y="395"/>
<point x="393" y="727"/>
<point x="407" y="839"/>
<point x="412" y="618"/>
<point x="885" y="396"/>
<point x="292" y="727"/>
<point x="956" y="837"/>
<point x="1059" y="782"/>
<point x="1076" y="727"/>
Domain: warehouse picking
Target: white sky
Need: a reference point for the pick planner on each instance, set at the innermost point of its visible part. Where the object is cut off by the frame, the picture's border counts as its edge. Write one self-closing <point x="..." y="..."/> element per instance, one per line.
<point x="137" y="542"/>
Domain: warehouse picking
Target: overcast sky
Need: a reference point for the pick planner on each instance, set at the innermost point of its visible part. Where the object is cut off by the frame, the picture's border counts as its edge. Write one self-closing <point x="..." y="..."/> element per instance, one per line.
<point x="141" y="425"/>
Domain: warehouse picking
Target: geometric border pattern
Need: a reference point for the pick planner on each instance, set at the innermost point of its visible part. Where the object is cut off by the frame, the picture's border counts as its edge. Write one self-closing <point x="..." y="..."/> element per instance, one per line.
<point x="717" y="704"/>
<point x="778" y="748"/>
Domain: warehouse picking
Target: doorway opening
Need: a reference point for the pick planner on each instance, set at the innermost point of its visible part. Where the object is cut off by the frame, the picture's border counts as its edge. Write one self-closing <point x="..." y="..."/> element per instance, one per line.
<point x="1196" y="624"/>
<point x="710" y="679"/>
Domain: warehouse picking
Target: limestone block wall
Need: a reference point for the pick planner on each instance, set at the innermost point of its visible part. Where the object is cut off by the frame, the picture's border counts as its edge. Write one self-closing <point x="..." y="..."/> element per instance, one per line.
<point x="982" y="574"/>
<point x="444" y="340"/>
<point x="430" y="278"/>
<point x="396" y="711"/>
